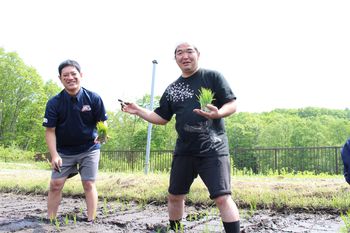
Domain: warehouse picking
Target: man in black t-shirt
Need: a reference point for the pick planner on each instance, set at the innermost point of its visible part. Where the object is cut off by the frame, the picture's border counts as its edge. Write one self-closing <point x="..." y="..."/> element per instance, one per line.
<point x="202" y="145"/>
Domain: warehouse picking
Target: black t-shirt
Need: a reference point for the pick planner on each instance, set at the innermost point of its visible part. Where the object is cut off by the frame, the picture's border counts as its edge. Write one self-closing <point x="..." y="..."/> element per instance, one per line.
<point x="197" y="136"/>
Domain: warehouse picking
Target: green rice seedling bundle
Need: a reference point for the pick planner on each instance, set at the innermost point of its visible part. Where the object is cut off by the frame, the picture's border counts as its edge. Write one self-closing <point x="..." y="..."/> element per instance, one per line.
<point x="206" y="96"/>
<point x="102" y="131"/>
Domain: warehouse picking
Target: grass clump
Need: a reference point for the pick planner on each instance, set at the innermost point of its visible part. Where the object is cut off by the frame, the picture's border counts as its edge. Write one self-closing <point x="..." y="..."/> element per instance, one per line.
<point x="206" y="96"/>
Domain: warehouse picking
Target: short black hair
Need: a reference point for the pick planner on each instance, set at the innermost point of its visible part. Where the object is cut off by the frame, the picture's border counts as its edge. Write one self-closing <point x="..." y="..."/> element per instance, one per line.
<point x="195" y="47"/>
<point x="68" y="63"/>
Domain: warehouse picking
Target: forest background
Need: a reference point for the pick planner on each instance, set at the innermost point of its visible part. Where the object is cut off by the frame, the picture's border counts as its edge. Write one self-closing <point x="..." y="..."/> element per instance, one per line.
<point x="23" y="97"/>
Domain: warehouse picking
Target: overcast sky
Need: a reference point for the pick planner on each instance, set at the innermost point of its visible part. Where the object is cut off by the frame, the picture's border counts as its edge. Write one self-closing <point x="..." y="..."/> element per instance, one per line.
<point x="274" y="53"/>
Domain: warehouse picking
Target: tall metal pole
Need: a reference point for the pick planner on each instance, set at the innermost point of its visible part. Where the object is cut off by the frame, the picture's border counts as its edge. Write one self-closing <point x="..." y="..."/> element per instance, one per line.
<point x="149" y="131"/>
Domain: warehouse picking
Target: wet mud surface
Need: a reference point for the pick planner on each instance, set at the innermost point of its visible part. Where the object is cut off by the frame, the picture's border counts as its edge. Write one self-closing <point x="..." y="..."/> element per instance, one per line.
<point x="27" y="213"/>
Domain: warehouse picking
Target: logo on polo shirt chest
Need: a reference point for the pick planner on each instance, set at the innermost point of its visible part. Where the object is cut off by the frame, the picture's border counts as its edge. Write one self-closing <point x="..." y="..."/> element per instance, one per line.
<point x="86" y="108"/>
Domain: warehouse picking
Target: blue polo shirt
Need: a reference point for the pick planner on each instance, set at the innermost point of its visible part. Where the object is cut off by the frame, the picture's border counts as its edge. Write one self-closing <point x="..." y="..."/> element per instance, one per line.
<point x="75" y="120"/>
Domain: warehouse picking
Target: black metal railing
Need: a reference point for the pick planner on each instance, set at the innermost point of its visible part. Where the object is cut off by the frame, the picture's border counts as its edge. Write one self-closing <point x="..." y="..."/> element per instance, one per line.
<point x="134" y="160"/>
<point x="257" y="160"/>
<point x="300" y="159"/>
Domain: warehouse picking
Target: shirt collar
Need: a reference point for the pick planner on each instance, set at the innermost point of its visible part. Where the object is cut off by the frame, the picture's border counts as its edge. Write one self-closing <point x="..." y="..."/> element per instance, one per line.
<point x="76" y="98"/>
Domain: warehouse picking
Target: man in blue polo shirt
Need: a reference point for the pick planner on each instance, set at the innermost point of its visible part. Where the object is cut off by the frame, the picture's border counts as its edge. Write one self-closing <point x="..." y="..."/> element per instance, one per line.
<point x="71" y="136"/>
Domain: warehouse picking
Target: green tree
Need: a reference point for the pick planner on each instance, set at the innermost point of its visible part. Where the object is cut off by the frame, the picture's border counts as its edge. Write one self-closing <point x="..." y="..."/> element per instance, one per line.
<point x="22" y="103"/>
<point x="277" y="130"/>
<point x="243" y="129"/>
<point x="38" y="142"/>
<point x="21" y="100"/>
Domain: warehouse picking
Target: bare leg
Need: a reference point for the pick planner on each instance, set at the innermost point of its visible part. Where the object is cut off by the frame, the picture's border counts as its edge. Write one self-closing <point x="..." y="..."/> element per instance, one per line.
<point x="176" y="206"/>
<point x="91" y="198"/>
<point x="54" y="197"/>
<point x="228" y="209"/>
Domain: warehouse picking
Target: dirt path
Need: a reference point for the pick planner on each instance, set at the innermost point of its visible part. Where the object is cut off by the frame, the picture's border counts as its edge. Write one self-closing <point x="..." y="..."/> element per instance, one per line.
<point x="20" y="213"/>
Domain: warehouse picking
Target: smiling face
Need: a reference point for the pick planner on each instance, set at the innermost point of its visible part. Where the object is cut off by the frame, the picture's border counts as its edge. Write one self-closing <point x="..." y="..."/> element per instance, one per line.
<point x="186" y="57"/>
<point x="70" y="78"/>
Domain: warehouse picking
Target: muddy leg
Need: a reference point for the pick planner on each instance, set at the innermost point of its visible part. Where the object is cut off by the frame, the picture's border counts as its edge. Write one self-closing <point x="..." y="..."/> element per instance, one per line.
<point x="54" y="197"/>
<point x="176" y="207"/>
<point x="91" y="198"/>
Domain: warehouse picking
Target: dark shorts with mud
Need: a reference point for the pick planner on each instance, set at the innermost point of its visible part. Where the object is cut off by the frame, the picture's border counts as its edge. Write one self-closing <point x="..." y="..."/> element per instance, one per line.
<point x="214" y="171"/>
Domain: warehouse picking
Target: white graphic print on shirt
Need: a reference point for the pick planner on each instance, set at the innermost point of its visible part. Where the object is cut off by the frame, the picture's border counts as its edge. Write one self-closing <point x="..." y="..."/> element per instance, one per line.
<point x="178" y="92"/>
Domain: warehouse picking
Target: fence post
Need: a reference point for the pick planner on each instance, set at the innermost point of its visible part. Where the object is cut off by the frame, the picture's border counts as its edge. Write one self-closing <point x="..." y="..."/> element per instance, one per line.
<point x="234" y="160"/>
<point x="336" y="161"/>
<point x="276" y="163"/>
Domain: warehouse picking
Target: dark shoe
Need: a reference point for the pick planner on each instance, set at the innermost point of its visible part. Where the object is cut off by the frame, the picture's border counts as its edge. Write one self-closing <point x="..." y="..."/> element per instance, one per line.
<point x="158" y="228"/>
<point x="92" y="221"/>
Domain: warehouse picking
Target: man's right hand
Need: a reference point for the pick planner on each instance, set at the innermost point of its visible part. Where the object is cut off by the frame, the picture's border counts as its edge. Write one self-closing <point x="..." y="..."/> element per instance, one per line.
<point x="56" y="163"/>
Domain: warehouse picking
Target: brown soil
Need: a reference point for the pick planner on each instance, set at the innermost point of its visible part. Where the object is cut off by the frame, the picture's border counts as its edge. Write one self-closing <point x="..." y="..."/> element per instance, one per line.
<point x="20" y="213"/>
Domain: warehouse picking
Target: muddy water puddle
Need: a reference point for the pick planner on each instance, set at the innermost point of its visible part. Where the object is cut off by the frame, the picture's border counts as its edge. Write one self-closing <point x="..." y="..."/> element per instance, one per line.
<point x="26" y="213"/>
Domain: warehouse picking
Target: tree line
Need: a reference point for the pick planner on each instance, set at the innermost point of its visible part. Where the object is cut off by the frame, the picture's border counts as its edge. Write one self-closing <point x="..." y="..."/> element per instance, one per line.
<point x="23" y="96"/>
<point x="304" y="127"/>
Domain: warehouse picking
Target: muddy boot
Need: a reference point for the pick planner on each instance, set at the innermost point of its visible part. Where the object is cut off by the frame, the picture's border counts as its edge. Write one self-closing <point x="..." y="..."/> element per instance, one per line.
<point x="158" y="228"/>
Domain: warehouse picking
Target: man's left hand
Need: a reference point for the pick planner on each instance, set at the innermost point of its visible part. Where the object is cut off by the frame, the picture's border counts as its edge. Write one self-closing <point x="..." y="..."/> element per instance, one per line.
<point x="212" y="114"/>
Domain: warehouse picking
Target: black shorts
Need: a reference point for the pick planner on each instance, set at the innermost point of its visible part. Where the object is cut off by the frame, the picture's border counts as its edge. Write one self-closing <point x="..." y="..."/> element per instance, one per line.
<point x="215" y="171"/>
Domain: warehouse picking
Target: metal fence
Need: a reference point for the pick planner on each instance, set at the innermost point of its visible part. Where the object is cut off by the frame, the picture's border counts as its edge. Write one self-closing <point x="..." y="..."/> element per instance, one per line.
<point x="257" y="160"/>
<point x="134" y="160"/>
<point x="314" y="159"/>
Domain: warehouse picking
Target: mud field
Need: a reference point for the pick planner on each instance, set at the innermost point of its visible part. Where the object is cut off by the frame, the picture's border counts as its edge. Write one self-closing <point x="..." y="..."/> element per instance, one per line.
<point x="20" y="213"/>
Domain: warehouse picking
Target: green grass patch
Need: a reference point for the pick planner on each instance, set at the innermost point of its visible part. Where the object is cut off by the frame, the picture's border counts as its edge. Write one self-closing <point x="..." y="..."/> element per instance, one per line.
<point x="291" y="191"/>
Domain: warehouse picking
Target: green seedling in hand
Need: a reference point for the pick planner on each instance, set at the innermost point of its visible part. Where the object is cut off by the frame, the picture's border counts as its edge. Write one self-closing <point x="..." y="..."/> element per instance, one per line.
<point x="206" y="96"/>
<point x="102" y="132"/>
